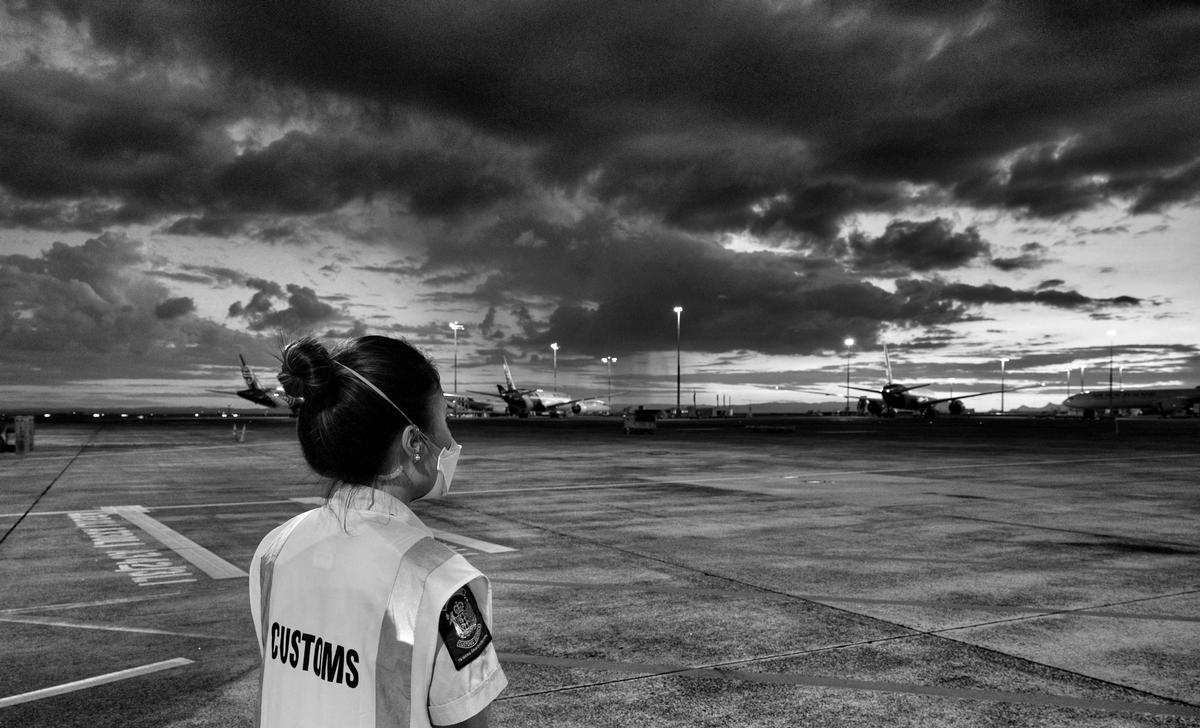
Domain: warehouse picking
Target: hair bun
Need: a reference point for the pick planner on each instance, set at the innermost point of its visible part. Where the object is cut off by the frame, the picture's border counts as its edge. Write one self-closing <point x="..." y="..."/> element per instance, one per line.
<point x="307" y="371"/>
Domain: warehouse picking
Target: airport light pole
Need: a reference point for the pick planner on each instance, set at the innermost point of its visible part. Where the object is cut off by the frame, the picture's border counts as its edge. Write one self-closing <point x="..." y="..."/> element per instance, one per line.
<point x="456" y="327"/>
<point x="849" y="342"/>
<point x="1111" y="335"/>
<point x="554" y="348"/>
<point x="678" y="367"/>
<point x="1002" y="362"/>
<point x="609" y="360"/>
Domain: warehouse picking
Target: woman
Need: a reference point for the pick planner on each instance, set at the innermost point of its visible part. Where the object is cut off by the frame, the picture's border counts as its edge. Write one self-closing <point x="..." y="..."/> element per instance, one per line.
<point x="362" y="617"/>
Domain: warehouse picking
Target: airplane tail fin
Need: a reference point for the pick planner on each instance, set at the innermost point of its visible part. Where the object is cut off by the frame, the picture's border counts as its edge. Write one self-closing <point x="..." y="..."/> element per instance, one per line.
<point x="887" y="364"/>
<point x="508" y="376"/>
<point x="247" y="375"/>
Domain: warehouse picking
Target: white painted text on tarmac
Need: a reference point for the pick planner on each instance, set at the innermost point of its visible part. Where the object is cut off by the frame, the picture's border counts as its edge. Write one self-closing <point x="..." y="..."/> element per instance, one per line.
<point x="146" y="566"/>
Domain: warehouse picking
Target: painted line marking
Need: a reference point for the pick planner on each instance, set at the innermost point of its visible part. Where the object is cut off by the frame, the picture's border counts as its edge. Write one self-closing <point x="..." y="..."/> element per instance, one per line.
<point x="92" y="682"/>
<point x="189" y="550"/>
<point x="720" y="672"/>
<point x="46" y="622"/>
<point x="84" y="605"/>
<point x="486" y="547"/>
<point x="685" y="479"/>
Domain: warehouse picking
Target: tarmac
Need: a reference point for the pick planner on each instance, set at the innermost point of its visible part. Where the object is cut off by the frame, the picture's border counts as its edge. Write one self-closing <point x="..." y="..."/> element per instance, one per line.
<point x="813" y="571"/>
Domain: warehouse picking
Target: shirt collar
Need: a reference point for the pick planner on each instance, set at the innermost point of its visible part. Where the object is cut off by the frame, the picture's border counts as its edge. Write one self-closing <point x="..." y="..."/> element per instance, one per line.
<point x="373" y="500"/>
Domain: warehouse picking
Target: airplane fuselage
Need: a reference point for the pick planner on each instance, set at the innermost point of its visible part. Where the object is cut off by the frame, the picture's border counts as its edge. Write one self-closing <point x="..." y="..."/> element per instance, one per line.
<point x="541" y="401"/>
<point x="265" y="397"/>
<point x="895" y="398"/>
<point x="1164" y="401"/>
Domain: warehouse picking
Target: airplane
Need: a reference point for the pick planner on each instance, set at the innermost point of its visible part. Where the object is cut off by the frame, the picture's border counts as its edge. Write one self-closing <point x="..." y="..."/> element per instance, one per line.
<point x="1166" y="402"/>
<point x="256" y="393"/>
<point x="895" y="397"/>
<point x="463" y="405"/>
<point x="457" y="403"/>
<point x="522" y="402"/>
<point x="592" y="406"/>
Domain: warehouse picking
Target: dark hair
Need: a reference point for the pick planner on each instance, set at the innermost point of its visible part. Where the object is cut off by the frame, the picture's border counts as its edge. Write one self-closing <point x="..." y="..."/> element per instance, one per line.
<point x="345" y="428"/>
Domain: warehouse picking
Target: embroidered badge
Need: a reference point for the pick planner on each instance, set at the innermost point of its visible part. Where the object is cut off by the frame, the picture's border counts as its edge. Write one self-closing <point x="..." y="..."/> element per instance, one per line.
<point x="462" y="628"/>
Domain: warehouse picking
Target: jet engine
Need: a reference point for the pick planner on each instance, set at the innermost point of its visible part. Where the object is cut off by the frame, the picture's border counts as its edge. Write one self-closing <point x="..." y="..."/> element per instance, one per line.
<point x="873" y="406"/>
<point x="957" y="407"/>
<point x="576" y="408"/>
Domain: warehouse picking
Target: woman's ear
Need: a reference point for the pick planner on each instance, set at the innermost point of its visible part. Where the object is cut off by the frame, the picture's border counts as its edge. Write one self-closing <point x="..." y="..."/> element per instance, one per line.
<point x="410" y="441"/>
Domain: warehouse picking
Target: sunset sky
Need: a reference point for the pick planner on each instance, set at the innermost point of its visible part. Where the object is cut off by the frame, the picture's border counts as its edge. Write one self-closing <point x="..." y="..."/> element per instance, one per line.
<point x="181" y="182"/>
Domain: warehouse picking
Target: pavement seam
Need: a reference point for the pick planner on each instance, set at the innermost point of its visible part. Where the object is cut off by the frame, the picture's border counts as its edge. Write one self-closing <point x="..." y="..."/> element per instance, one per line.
<point x="912" y="632"/>
<point x="46" y="490"/>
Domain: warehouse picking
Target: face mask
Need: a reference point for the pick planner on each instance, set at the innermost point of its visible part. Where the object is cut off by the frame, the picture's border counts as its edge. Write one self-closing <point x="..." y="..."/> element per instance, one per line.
<point x="446" y="463"/>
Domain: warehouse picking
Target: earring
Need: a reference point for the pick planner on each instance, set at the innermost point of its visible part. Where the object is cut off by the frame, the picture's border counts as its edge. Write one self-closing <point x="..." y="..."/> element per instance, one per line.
<point x="416" y="457"/>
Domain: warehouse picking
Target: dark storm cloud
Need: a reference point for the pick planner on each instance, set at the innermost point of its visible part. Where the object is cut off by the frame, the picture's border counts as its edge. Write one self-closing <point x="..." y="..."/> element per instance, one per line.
<point x="916" y="246"/>
<point x="918" y="291"/>
<point x="131" y="147"/>
<point x="218" y="274"/>
<point x="84" y="154"/>
<point x="629" y="281"/>
<point x="711" y="116"/>
<point x="306" y="173"/>
<point x="90" y="300"/>
<point x="681" y="121"/>
<point x="1033" y="256"/>
<point x="99" y="263"/>
<point x="174" y="307"/>
<point x="305" y="311"/>
<point x="214" y="225"/>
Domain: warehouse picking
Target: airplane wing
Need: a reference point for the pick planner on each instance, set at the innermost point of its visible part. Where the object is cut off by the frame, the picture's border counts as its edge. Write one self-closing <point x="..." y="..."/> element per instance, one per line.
<point x="455" y="399"/>
<point x="860" y="389"/>
<point x="570" y="402"/>
<point x="567" y="403"/>
<point x="980" y="394"/>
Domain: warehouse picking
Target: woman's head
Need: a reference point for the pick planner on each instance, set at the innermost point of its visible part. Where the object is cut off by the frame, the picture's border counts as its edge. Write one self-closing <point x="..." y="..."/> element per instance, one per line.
<point x="346" y="429"/>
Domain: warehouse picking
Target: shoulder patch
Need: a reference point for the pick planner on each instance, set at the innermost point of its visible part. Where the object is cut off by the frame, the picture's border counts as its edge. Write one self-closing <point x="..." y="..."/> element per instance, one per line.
<point x="462" y="628"/>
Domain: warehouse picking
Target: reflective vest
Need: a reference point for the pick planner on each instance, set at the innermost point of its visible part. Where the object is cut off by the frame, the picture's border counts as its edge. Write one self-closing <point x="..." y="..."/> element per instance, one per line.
<point x="346" y="601"/>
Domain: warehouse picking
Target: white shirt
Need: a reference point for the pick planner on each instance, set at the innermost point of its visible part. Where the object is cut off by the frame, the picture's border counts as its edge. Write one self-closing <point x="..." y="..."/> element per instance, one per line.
<point x="347" y="600"/>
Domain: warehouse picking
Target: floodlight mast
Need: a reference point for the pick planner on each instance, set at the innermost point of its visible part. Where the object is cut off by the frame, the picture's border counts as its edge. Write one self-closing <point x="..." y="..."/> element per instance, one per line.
<point x="678" y="368"/>
<point x="609" y="360"/>
<point x="554" y="348"/>
<point x="456" y="327"/>
<point x="849" y="342"/>
<point x="1112" y="334"/>
<point x="1002" y="363"/>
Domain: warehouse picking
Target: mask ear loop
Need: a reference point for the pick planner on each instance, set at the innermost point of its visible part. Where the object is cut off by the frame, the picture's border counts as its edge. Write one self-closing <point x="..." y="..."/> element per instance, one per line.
<point x="377" y="390"/>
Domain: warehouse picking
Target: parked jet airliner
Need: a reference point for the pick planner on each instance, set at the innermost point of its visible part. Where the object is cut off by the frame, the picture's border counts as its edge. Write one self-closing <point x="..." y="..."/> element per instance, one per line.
<point x="895" y="397"/>
<point x="273" y="398"/>
<point x="1166" y="402"/>
<point x="522" y="402"/>
<point x="256" y="393"/>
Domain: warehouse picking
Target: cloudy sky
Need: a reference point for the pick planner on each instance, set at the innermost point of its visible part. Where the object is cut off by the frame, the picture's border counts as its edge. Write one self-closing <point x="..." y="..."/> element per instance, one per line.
<point x="964" y="181"/>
